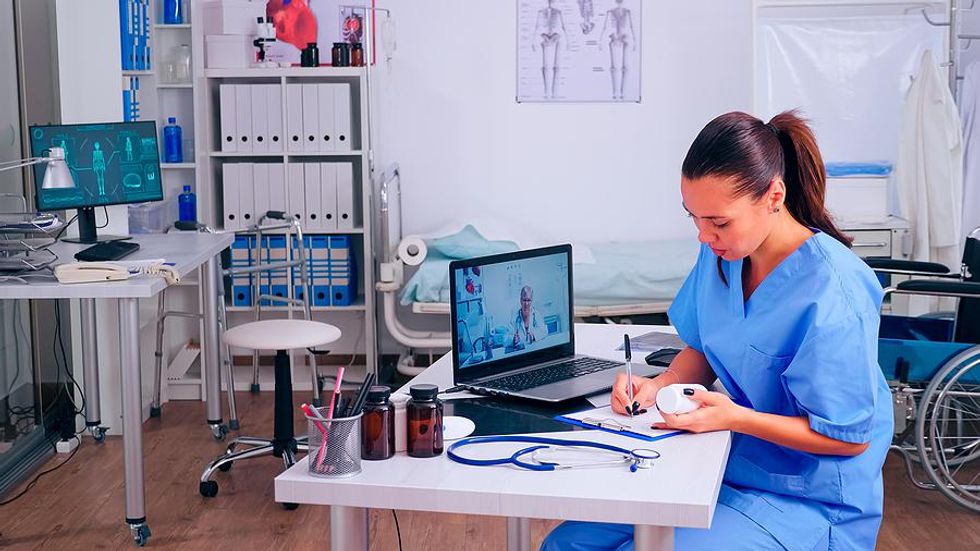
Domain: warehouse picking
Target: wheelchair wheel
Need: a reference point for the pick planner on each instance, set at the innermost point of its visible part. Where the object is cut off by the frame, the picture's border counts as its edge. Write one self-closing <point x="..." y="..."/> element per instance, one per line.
<point x="947" y="429"/>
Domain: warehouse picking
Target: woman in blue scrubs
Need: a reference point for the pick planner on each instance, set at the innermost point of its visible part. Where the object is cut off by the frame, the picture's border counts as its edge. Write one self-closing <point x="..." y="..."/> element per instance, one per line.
<point x="785" y="316"/>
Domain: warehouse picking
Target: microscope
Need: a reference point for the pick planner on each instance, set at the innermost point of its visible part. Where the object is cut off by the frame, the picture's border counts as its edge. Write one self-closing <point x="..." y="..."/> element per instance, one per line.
<point x="265" y="35"/>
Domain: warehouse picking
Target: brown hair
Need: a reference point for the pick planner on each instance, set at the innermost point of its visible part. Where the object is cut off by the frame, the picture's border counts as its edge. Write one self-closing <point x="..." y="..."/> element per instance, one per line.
<point x="741" y="147"/>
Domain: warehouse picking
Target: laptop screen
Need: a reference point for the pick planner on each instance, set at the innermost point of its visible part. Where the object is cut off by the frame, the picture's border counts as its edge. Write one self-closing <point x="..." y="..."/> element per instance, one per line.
<point x="511" y="307"/>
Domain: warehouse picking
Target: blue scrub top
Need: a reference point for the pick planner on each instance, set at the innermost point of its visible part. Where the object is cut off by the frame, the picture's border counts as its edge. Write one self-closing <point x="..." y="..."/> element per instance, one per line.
<point x="804" y="344"/>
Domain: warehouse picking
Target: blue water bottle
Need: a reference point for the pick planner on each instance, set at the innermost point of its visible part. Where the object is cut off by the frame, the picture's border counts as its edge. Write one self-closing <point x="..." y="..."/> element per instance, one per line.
<point x="173" y="12"/>
<point x="172" y="147"/>
<point x="187" y="205"/>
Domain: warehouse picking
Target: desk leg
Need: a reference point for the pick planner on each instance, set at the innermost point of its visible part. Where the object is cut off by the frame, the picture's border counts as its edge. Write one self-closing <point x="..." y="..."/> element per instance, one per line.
<point x="653" y="538"/>
<point x="90" y="367"/>
<point x="210" y="341"/>
<point x="518" y="534"/>
<point x="348" y="528"/>
<point x="132" y="417"/>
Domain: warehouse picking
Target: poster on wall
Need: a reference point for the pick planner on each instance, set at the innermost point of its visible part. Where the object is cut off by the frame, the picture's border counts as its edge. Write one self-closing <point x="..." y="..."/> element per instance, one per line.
<point x="578" y="50"/>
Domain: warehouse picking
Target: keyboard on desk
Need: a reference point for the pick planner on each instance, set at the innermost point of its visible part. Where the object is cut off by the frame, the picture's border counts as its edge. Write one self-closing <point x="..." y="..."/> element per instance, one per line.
<point x="550" y="374"/>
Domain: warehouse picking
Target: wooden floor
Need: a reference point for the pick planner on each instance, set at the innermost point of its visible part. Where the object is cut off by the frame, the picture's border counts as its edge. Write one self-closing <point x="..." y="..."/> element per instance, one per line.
<point x="81" y="505"/>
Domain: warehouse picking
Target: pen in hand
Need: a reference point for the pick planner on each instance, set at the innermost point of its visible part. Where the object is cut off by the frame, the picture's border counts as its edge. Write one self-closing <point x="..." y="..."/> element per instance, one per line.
<point x="631" y="404"/>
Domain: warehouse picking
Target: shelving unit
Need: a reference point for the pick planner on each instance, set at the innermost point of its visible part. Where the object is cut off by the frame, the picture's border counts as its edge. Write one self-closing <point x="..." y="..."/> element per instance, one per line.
<point x="357" y="320"/>
<point x="160" y="99"/>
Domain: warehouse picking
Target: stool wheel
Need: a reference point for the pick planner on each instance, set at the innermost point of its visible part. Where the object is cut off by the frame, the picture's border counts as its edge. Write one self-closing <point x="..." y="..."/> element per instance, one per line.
<point x="209" y="488"/>
<point x="290" y="506"/>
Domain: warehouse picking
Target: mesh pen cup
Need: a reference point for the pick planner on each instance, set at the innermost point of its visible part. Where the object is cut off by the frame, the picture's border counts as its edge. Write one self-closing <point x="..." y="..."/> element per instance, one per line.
<point x="335" y="445"/>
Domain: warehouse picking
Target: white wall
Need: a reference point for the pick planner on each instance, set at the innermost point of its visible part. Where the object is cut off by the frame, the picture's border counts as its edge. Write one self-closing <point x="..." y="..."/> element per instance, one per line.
<point x="540" y="172"/>
<point x="87" y="78"/>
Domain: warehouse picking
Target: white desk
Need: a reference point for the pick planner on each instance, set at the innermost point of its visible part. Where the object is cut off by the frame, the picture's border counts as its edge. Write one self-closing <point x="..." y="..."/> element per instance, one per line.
<point x="188" y="251"/>
<point x="681" y="490"/>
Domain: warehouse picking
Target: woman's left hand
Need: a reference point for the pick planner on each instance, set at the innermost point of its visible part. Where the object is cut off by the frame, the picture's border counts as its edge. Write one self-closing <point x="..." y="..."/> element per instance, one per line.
<point x="717" y="412"/>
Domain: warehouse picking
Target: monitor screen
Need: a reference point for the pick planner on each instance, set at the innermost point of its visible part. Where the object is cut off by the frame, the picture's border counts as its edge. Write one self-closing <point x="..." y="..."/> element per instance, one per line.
<point x="512" y="308"/>
<point x="111" y="163"/>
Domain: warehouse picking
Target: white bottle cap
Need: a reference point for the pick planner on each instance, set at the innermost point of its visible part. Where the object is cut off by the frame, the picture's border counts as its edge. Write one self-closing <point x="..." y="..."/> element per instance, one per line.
<point x="671" y="399"/>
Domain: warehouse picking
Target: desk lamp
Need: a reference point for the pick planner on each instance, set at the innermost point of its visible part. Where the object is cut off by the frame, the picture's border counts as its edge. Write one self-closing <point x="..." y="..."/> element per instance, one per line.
<point x="57" y="175"/>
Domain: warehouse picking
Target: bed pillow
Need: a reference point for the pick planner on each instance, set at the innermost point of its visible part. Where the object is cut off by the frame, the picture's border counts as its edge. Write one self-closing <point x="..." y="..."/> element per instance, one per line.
<point x="468" y="243"/>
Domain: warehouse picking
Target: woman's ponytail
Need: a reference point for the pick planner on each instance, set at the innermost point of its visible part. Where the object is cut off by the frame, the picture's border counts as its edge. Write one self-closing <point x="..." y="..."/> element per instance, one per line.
<point x="804" y="175"/>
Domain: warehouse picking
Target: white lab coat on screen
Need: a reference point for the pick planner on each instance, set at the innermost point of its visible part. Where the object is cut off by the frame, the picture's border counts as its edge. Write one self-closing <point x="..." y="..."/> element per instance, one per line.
<point x="929" y="172"/>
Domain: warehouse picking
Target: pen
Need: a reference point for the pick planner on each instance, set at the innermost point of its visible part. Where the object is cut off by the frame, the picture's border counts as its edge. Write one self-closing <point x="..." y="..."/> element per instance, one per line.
<point x="629" y="375"/>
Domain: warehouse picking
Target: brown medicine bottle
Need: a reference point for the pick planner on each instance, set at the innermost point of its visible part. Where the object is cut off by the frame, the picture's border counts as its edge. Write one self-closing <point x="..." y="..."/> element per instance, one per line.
<point x="378" y="425"/>
<point x="424" y="421"/>
<point x="356" y="55"/>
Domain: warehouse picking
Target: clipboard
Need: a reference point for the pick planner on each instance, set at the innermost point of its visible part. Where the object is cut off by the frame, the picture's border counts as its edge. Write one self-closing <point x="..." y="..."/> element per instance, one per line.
<point x="605" y="419"/>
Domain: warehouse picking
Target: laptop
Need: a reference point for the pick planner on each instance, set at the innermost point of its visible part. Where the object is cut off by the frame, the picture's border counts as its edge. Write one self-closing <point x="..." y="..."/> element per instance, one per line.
<point x="513" y="332"/>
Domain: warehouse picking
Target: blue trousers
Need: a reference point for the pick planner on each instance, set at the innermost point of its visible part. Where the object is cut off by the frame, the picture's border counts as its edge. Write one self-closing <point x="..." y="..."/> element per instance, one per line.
<point x="730" y="530"/>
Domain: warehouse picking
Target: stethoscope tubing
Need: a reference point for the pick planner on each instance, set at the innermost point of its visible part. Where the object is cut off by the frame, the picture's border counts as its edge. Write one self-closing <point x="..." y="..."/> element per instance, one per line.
<point x="539" y="442"/>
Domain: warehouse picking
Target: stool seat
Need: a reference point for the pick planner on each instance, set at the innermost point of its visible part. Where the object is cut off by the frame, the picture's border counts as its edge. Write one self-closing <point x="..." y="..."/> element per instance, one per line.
<point x="281" y="334"/>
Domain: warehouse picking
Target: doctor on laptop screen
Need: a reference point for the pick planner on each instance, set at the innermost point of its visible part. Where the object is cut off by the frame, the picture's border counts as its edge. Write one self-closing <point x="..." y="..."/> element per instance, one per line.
<point x="511" y="308"/>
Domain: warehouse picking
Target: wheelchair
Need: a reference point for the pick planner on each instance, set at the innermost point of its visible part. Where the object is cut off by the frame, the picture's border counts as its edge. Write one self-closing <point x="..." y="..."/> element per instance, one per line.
<point x="932" y="364"/>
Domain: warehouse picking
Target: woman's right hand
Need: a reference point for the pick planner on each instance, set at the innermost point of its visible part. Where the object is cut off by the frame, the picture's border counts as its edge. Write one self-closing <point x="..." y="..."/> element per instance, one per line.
<point x="644" y="392"/>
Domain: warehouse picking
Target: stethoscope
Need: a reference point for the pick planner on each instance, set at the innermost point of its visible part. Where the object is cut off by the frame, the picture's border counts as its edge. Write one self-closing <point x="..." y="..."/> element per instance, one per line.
<point x="544" y="455"/>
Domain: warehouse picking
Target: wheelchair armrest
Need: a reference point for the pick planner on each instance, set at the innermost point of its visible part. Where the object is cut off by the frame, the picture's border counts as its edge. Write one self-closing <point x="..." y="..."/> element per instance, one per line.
<point x="906" y="266"/>
<point x="965" y="289"/>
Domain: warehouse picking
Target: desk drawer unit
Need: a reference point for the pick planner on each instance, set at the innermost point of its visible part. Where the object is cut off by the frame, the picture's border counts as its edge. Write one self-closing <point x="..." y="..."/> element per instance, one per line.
<point x="868" y="243"/>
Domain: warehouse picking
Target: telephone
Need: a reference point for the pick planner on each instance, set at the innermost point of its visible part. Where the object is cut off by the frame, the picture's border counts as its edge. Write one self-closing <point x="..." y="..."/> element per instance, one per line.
<point x="87" y="272"/>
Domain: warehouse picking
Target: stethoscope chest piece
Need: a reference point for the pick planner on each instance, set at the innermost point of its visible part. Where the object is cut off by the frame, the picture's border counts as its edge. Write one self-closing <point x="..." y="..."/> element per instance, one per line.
<point x="642" y="459"/>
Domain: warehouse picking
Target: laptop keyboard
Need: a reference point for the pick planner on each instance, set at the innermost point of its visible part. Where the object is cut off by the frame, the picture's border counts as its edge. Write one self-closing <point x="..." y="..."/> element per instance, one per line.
<point x="551" y="374"/>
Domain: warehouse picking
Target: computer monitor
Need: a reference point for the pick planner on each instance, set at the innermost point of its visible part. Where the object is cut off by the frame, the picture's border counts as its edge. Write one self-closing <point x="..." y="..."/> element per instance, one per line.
<point x="112" y="163"/>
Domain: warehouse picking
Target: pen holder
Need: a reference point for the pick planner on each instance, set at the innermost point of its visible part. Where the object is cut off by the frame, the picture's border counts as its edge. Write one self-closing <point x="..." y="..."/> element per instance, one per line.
<point x="335" y="445"/>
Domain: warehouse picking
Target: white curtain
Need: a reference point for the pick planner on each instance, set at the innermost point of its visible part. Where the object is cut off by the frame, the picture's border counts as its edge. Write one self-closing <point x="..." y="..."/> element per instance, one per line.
<point x="847" y="73"/>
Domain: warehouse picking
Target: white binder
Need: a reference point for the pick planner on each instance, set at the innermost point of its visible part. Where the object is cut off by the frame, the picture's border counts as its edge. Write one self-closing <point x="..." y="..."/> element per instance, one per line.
<point x="260" y="118"/>
<point x="345" y="196"/>
<point x="342" y="117"/>
<point x="274" y="111"/>
<point x="311" y="118"/>
<point x="314" y="210"/>
<point x="243" y="117"/>
<point x="229" y="195"/>
<point x="328" y="195"/>
<point x="260" y="183"/>
<point x="296" y="202"/>
<point x="277" y="187"/>
<point x="246" y="194"/>
<point x="226" y="105"/>
<point x="328" y="139"/>
<point x="294" y="117"/>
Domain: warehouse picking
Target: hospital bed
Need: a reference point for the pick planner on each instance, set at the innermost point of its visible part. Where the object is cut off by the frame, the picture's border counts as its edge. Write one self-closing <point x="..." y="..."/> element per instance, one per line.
<point x="616" y="279"/>
<point x="933" y="367"/>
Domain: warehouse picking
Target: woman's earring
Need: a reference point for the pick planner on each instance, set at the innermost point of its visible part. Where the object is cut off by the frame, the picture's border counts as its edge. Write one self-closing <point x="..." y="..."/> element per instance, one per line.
<point x="775" y="210"/>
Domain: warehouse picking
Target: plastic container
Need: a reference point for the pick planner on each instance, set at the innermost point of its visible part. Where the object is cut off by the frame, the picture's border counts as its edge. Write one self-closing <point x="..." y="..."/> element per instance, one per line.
<point x="335" y="445"/>
<point x="173" y="146"/>
<point x="424" y="415"/>
<point x="182" y="64"/>
<point x="378" y="425"/>
<point x="154" y="217"/>
<point x="187" y="205"/>
<point x="173" y="12"/>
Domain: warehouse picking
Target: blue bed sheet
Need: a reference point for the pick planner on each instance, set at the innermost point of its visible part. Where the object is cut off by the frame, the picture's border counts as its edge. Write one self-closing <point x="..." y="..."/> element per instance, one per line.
<point x="623" y="272"/>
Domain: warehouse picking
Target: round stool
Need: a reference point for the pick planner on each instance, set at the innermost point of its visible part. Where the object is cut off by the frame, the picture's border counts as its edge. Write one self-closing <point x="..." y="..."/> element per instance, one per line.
<point x="282" y="336"/>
